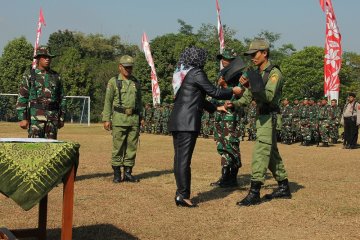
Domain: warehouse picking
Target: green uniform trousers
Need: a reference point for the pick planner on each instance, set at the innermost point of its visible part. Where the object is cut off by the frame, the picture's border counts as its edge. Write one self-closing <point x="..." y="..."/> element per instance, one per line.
<point x="266" y="154"/>
<point x="125" y="140"/>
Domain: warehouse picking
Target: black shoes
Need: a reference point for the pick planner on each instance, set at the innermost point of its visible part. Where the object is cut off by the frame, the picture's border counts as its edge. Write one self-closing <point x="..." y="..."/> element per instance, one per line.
<point x="253" y="197"/>
<point x="117" y="174"/>
<point x="127" y="175"/>
<point x="180" y="202"/>
<point x="283" y="191"/>
<point x="228" y="177"/>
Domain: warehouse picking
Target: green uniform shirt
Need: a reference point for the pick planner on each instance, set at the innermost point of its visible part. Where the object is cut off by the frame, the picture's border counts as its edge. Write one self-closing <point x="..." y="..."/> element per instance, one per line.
<point x="130" y="99"/>
<point x="272" y="94"/>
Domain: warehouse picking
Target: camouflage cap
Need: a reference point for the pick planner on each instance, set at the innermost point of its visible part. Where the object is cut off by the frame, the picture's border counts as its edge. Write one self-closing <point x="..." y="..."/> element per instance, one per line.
<point x="126" y="61"/>
<point x="257" y="44"/>
<point x="43" y="51"/>
<point x="227" y="54"/>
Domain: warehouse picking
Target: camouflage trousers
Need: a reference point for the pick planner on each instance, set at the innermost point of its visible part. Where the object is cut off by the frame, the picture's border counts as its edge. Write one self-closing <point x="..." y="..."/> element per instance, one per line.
<point x="43" y="129"/>
<point x="165" y="128"/>
<point x="334" y="131"/>
<point x="252" y="129"/>
<point x="242" y="126"/>
<point x="157" y="128"/>
<point x="324" y="132"/>
<point x="295" y="128"/>
<point x="286" y="133"/>
<point x="305" y="130"/>
<point x="148" y="127"/>
<point x="226" y="135"/>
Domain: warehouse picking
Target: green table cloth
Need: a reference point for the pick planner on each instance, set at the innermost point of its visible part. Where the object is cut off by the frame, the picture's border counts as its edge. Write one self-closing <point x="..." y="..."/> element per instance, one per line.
<point x="30" y="168"/>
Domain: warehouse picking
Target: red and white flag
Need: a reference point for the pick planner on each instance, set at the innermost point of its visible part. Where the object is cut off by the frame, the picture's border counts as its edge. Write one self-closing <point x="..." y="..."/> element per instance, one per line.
<point x="220" y="28"/>
<point x="40" y="23"/>
<point x="154" y="83"/>
<point x="333" y="52"/>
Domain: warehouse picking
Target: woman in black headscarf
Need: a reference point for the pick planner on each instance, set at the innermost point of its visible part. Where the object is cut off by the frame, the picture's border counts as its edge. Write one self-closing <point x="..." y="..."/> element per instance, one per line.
<point x="191" y="86"/>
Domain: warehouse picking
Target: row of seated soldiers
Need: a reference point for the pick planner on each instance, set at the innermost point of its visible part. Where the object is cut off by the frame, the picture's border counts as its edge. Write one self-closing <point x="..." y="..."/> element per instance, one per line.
<point x="310" y="122"/>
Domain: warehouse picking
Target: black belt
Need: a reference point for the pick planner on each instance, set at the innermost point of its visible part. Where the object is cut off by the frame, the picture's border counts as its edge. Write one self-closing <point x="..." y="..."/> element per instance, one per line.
<point x="127" y="111"/>
<point x="47" y="106"/>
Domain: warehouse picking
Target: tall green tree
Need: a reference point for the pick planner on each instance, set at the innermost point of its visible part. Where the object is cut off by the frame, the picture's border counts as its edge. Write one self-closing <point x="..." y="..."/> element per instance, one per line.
<point x="16" y="57"/>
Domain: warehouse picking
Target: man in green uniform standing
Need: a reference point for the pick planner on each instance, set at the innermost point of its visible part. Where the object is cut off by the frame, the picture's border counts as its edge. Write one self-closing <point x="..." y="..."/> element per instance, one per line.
<point x="41" y="101"/>
<point x="122" y="115"/>
<point x="264" y="84"/>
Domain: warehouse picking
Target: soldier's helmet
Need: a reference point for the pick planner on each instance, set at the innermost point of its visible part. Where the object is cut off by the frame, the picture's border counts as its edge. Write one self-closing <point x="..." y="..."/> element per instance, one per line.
<point x="126" y="61"/>
<point x="227" y="54"/>
<point x="258" y="44"/>
<point x="43" y="51"/>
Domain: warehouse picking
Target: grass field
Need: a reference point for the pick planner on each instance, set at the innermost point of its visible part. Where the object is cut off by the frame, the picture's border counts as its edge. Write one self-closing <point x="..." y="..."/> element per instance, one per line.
<point x="324" y="181"/>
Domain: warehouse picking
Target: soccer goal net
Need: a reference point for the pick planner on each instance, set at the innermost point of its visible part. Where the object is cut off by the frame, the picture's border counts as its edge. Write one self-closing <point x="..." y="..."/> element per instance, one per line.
<point x="77" y="108"/>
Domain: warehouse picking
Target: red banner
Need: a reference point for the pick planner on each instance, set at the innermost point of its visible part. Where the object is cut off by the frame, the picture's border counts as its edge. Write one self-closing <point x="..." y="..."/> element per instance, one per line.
<point x="333" y="52"/>
<point x="41" y="22"/>
<point x="154" y="83"/>
<point x="220" y="28"/>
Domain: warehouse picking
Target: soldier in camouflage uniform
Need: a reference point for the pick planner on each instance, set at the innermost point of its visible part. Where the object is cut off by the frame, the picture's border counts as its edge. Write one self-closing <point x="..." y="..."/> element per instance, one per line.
<point x="295" y="123"/>
<point x="226" y="131"/>
<point x="335" y="118"/>
<point x="323" y="116"/>
<point x="242" y="120"/>
<point x="41" y="101"/>
<point x="286" y="119"/>
<point x="251" y="116"/>
<point x="305" y="130"/>
<point x="205" y="125"/>
<point x="157" y="119"/>
<point x="165" y="119"/>
<point x="148" y="117"/>
<point x="314" y="125"/>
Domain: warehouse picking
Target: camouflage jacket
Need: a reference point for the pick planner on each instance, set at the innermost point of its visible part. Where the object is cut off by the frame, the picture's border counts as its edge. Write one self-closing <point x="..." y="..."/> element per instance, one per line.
<point x="42" y="98"/>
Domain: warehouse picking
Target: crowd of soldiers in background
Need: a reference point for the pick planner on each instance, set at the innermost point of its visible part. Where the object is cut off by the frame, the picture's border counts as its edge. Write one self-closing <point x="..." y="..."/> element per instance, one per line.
<point x="310" y="122"/>
<point x="157" y="118"/>
<point x="156" y="121"/>
<point x="307" y="121"/>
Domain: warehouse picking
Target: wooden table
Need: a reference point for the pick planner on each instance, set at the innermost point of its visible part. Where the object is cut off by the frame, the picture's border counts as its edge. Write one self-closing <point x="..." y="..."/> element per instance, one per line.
<point x="62" y="165"/>
<point x="67" y="213"/>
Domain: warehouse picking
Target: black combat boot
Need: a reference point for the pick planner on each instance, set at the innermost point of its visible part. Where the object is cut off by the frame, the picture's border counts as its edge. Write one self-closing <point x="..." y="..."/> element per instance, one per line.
<point x="233" y="176"/>
<point x="225" y="177"/>
<point x="127" y="175"/>
<point x="283" y="191"/>
<point x="117" y="174"/>
<point x="253" y="197"/>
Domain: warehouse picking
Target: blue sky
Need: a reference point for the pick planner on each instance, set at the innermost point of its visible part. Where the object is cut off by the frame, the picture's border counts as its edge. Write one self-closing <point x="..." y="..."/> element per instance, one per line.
<point x="300" y="22"/>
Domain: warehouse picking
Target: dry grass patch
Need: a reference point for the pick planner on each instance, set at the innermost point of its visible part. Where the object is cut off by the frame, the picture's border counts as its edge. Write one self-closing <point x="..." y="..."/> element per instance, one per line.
<point x="324" y="182"/>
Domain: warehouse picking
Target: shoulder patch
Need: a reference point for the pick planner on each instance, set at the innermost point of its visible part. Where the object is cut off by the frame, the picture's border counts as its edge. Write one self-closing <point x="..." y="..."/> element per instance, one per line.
<point x="274" y="78"/>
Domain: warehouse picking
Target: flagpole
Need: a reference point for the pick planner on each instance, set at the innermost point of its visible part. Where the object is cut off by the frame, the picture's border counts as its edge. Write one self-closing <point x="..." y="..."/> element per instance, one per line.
<point x="41" y="21"/>
<point x="220" y="30"/>
<point x="155" y="89"/>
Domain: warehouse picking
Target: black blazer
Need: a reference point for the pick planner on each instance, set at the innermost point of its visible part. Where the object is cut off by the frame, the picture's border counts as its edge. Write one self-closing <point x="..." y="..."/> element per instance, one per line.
<point x="190" y="101"/>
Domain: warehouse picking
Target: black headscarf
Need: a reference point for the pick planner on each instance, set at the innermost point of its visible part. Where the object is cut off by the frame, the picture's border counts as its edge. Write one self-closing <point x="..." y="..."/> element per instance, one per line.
<point x="193" y="57"/>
